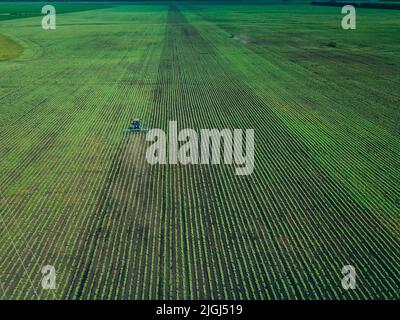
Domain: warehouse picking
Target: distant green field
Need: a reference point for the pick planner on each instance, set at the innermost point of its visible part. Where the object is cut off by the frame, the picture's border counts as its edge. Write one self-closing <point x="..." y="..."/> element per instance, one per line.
<point x="14" y="10"/>
<point x="78" y="194"/>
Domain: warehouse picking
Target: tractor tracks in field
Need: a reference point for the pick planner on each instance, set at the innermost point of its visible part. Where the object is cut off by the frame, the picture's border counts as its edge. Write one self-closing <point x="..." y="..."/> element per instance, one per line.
<point x="93" y="238"/>
<point x="113" y="218"/>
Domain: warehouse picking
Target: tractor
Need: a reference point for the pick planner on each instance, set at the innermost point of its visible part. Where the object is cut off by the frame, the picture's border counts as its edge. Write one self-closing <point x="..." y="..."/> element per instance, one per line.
<point x="136" y="127"/>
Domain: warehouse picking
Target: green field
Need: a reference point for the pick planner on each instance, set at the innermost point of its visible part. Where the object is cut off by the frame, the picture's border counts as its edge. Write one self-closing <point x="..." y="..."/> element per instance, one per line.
<point x="9" y="49"/>
<point x="78" y="194"/>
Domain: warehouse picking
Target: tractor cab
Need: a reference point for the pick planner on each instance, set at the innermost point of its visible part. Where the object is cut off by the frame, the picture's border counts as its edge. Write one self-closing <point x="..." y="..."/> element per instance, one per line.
<point x="135" y="124"/>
